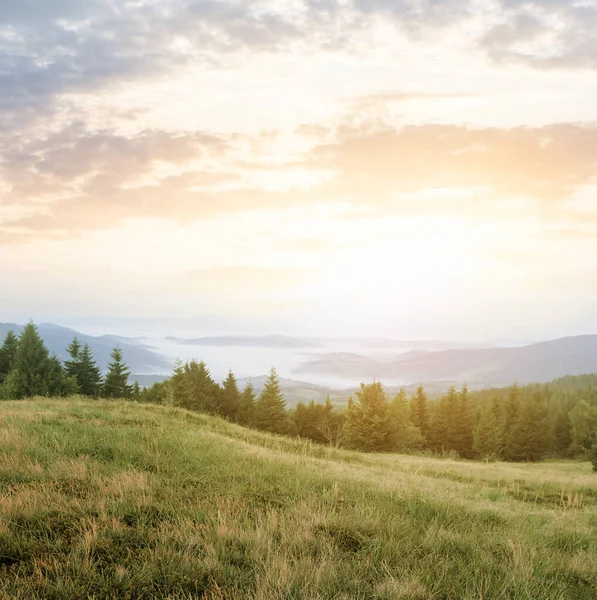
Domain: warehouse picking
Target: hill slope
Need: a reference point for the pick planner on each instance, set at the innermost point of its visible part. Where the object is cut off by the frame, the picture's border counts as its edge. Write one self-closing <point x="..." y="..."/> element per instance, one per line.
<point x="118" y="500"/>
<point x="536" y="363"/>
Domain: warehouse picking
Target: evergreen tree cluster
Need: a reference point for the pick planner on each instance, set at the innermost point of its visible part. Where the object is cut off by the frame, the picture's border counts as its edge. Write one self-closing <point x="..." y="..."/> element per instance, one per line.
<point x="192" y="387"/>
<point x="27" y="369"/>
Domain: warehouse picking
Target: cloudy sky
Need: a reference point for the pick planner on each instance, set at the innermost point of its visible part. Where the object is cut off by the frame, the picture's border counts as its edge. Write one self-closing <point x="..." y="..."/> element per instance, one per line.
<point x="410" y="168"/>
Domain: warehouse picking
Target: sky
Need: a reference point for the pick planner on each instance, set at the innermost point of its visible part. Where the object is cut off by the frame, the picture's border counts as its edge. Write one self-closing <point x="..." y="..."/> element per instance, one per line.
<point x="417" y="169"/>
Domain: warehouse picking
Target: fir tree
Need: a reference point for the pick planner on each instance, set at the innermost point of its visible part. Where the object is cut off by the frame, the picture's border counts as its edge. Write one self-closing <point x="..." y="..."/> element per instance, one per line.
<point x="368" y="422"/>
<point x="204" y="391"/>
<point x="330" y="423"/>
<point x="529" y="437"/>
<point x="420" y="412"/>
<point x="180" y="387"/>
<point x="583" y="426"/>
<point x="89" y="376"/>
<point x="136" y="392"/>
<point x="32" y="368"/>
<point x="405" y="434"/>
<point x="444" y="432"/>
<point x="487" y="443"/>
<point x="511" y="411"/>
<point x="463" y="425"/>
<point x="8" y="353"/>
<point x="561" y="433"/>
<point x="246" y="406"/>
<point x="116" y="381"/>
<point x="229" y="398"/>
<point x="60" y="383"/>
<point x="270" y="408"/>
<point x="72" y="367"/>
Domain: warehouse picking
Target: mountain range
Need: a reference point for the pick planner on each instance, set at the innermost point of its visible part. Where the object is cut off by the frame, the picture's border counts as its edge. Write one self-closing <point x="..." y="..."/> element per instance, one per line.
<point x="139" y="357"/>
<point x="541" y="363"/>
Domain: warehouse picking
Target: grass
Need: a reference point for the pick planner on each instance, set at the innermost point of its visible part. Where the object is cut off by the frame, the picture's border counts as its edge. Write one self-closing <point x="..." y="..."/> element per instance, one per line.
<point x="119" y="500"/>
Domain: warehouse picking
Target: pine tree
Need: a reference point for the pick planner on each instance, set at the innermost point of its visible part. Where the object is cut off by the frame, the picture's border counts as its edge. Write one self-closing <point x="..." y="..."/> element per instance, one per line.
<point x="405" y="434"/>
<point x="59" y="381"/>
<point x="116" y="381"/>
<point x="136" y="392"/>
<point x="72" y="367"/>
<point x="487" y="442"/>
<point x="511" y="411"/>
<point x="583" y="426"/>
<point x="204" y="391"/>
<point x="8" y="353"/>
<point x="561" y="433"/>
<point x="229" y="398"/>
<point x="180" y="386"/>
<point x="246" y="406"/>
<point x="529" y="437"/>
<point x="270" y="408"/>
<point x="368" y="422"/>
<point x="329" y="423"/>
<point x="420" y="412"/>
<point x="32" y="368"/>
<point x="89" y="376"/>
<point x="445" y="432"/>
<point x="463" y="425"/>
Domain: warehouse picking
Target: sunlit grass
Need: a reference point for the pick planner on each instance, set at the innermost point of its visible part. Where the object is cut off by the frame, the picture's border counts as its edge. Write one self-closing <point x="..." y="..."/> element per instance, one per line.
<point x="116" y="500"/>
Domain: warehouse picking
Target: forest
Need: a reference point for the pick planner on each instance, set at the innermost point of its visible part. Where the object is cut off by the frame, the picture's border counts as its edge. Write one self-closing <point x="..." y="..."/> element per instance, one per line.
<point x="517" y="424"/>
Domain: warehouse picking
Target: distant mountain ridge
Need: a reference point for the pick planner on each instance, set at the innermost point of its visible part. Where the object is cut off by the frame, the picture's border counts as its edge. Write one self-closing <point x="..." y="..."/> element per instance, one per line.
<point x="285" y="341"/>
<point x="139" y="357"/>
<point x="536" y="363"/>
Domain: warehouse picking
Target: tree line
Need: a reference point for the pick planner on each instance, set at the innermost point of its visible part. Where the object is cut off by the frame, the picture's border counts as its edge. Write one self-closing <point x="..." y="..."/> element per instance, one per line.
<point x="27" y="369"/>
<point x="518" y="424"/>
<point x="514" y="424"/>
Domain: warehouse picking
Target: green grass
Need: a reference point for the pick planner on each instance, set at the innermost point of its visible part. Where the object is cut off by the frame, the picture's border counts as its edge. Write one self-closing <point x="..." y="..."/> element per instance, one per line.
<point x="120" y="500"/>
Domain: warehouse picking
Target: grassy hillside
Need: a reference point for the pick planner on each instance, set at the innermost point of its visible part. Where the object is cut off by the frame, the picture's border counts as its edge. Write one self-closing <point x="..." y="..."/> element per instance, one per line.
<point x="116" y="500"/>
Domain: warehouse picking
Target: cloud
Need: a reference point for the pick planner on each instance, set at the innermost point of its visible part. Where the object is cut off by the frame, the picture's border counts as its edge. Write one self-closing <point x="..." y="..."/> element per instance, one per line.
<point x="546" y="34"/>
<point x="77" y="180"/>
<point x="546" y="163"/>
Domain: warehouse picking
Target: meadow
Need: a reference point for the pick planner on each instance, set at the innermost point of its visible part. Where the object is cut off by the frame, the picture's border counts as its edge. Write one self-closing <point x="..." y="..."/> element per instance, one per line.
<point x="113" y="499"/>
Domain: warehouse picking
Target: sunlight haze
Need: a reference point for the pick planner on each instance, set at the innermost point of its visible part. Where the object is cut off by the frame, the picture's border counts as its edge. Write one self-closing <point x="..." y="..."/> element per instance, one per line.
<point x="412" y="169"/>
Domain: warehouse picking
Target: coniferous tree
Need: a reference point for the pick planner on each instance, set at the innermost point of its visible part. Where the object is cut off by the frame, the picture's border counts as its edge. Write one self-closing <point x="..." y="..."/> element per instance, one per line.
<point x="8" y="353"/>
<point x="270" y="408"/>
<point x="72" y="367"/>
<point x="463" y="425"/>
<point x="204" y="391"/>
<point x="529" y="437"/>
<point x="116" y="381"/>
<point x="444" y="432"/>
<point x="60" y="383"/>
<point x="487" y="443"/>
<point x="136" y="392"/>
<point x="229" y="398"/>
<point x="246" y="406"/>
<point x="181" y="389"/>
<point x="420" y="412"/>
<point x="32" y="368"/>
<point x="89" y="377"/>
<point x="561" y="433"/>
<point x="405" y="434"/>
<point x="583" y="426"/>
<point x="329" y="423"/>
<point x="511" y="411"/>
<point x="368" y="422"/>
